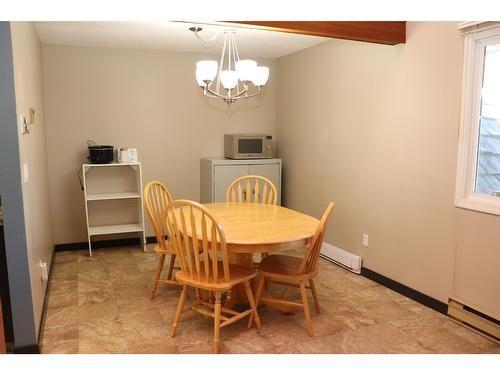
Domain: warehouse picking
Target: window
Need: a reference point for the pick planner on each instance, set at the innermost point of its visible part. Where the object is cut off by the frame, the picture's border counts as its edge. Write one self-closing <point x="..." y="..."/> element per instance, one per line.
<point x="488" y="157"/>
<point x="478" y="172"/>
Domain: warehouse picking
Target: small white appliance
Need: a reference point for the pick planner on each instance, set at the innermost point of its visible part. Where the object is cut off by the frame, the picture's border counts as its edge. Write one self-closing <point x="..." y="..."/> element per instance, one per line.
<point x="127" y="155"/>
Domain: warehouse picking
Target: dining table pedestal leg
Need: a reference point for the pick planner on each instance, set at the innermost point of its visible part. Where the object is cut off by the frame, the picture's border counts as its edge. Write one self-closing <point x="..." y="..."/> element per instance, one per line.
<point x="237" y="294"/>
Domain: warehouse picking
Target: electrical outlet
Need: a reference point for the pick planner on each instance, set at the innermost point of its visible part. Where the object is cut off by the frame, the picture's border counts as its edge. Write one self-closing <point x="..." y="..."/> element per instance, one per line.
<point x="365" y="240"/>
<point x="26" y="173"/>
<point x="44" y="272"/>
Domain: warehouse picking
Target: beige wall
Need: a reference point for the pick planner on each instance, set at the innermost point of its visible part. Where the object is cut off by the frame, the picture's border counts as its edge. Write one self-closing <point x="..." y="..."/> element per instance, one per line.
<point x="27" y="56"/>
<point x="137" y="98"/>
<point x="477" y="262"/>
<point x="374" y="128"/>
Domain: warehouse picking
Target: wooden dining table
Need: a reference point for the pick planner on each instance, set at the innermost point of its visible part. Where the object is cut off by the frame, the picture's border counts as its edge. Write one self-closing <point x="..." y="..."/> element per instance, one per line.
<point x="251" y="228"/>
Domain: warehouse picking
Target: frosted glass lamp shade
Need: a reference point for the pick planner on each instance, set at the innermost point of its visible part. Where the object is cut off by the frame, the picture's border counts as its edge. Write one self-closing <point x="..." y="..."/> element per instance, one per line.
<point x="245" y="69"/>
<point x="198" y="79"/>
<point x="261" y="76"/>
<point x="229" y="79"/>
<point x="206" y="70"/>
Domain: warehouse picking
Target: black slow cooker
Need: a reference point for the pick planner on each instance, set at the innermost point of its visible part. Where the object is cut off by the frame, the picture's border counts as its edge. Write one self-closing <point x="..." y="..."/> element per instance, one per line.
<point x="100" y="154"/>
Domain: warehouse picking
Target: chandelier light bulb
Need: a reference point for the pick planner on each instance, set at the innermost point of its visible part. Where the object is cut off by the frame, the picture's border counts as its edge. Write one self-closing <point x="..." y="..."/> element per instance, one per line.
<point x="229" y="79"/>
<point x="245" y="69"/>
<point x="206" y="70"/>
<point x="261" y="76"/>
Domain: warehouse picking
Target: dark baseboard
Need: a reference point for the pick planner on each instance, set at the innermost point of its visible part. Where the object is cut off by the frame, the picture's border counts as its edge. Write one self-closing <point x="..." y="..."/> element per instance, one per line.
<point x="29" y="349"/>
<point x="406" y="291"/>
<point x="102" y="244"/>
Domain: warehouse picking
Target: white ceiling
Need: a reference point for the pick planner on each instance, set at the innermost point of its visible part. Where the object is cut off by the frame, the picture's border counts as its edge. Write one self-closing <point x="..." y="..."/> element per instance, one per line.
<point x="173" y="36"/>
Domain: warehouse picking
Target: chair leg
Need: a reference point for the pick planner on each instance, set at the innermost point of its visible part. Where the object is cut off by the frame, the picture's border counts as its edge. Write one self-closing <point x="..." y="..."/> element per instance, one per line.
<point x="260" y="286"/>
<point x="254" y="315"/>
<point x="314" y="294"/>
<point x="154" y="284"/>
<point x="217" y="322"/>
<point x="307" y="313"/>
<point x="171" y="267"/>
<point x="180" y="307"/>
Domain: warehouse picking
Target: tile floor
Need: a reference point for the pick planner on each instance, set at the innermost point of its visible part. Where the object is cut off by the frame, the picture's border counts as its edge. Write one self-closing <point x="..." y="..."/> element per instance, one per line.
<point x="101" y="305"/>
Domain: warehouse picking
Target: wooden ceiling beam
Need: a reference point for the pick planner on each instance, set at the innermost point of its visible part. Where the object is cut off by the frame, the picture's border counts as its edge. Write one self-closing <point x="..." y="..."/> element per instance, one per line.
<point x="382" y="32"/>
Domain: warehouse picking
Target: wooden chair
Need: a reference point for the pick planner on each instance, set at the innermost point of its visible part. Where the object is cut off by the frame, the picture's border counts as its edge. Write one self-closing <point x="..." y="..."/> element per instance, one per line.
<point x="242" y="188"/>
<point x="262" y="188"/>
<point x="156" y="199"/>
<point x="200" y="245"/>
<point x="292" y="271"/>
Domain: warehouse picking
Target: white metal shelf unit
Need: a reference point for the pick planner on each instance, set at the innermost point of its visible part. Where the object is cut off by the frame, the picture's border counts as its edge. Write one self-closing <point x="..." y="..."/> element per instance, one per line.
<point x="92" y="196"/>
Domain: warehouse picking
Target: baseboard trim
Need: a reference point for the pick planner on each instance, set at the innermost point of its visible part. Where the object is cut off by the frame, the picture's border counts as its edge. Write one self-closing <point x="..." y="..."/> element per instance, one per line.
<point x="406" y="291"/>
<point x="102" y="244"/>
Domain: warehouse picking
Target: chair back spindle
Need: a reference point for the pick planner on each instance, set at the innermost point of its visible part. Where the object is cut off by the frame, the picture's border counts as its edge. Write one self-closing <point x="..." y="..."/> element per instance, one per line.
<point x="252" y="189"/>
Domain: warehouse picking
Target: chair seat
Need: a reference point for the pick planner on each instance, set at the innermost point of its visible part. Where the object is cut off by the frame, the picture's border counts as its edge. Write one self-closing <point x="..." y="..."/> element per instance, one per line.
<point x="281" y="266"/>
<point x="238" y="274"/>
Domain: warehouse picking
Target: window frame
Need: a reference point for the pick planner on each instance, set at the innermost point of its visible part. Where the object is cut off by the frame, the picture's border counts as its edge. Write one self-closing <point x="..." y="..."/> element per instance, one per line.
<point x="465" y="196"/>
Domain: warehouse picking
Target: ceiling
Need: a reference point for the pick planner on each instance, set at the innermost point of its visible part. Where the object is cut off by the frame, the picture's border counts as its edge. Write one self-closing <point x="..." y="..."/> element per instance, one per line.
<point x="173" y="36"/>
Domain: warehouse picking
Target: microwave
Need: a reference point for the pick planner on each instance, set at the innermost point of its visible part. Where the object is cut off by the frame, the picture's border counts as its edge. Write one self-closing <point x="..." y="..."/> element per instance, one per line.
<point x="248" y="146"/>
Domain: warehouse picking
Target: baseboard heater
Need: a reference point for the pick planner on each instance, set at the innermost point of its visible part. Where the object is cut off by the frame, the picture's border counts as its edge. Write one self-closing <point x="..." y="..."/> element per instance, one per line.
<point x="341" y="257"/>
<point x="473" y="317"/>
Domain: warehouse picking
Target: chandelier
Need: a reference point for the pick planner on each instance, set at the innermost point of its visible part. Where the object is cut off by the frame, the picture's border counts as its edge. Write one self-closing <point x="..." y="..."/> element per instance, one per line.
<point x="230" y="78"/>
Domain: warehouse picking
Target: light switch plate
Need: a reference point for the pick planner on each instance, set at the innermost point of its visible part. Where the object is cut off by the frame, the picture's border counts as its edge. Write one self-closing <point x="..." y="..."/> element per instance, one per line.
<point x="23" y="125"/>
<point x="32" y="115"/>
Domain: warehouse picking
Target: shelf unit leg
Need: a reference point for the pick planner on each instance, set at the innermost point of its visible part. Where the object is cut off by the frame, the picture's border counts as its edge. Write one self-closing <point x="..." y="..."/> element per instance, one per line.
<point x="84" y="173"/>
<point x="90" y="248"/>
<point x="138" y="171"/>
